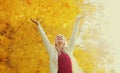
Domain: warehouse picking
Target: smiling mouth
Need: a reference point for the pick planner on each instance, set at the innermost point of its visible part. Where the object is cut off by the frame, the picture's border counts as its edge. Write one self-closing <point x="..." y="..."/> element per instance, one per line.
<point x="60" y="41"/>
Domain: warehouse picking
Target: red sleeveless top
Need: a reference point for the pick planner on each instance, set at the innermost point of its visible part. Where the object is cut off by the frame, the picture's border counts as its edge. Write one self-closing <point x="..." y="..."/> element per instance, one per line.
<point x="64" y="63"/>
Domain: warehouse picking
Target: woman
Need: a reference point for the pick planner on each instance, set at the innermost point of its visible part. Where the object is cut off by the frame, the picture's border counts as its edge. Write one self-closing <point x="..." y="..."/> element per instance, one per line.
<point x="61" y="56"/>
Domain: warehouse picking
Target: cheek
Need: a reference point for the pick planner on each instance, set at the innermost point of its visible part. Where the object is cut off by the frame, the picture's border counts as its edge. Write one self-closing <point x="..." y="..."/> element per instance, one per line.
<point x="63" y="43"/>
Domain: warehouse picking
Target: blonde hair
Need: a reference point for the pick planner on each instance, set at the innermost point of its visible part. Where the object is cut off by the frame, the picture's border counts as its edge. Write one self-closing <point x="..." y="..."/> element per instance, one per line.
<point x="64" y="39"/>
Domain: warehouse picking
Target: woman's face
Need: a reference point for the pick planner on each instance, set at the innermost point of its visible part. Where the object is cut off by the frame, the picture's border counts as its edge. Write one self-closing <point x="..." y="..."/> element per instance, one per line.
<point x="60" y="41"/>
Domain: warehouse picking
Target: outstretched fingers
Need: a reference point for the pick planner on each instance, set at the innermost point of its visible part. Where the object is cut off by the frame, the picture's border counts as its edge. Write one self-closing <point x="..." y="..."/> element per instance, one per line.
<point x="34" y="21"/>
<point x="80" y="17"/>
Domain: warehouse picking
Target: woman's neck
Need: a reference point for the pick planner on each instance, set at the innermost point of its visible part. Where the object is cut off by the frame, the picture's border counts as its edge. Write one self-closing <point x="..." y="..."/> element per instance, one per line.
<point x="60" y="49"/>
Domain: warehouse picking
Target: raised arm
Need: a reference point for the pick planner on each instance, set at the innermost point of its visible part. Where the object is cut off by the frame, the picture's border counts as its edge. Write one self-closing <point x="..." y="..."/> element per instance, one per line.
<point x="71" y="43"/>
<point x="44" y="36"/>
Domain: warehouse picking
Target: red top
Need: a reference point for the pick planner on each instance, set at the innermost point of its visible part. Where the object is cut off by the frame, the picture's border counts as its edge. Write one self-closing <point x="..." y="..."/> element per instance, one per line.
<point x="64" y="63"/>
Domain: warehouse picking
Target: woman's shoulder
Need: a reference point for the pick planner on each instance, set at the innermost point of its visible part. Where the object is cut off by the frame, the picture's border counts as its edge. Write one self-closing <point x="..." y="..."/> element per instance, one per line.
<point x="53" y="50"/>
<point x="67" y="49"/>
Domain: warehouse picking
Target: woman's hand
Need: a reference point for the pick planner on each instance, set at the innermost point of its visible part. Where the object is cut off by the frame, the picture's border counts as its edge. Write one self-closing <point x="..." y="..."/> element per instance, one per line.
<point x="79" y="17"/>
<point x="35" y="21"/>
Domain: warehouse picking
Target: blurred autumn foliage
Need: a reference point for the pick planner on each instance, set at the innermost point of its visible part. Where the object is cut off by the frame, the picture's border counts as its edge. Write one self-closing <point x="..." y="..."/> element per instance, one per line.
<point x="21" y="46"/>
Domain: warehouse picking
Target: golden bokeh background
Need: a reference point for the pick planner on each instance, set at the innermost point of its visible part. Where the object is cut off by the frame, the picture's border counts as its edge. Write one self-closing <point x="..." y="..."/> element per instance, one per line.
<point x="21" y="46"/>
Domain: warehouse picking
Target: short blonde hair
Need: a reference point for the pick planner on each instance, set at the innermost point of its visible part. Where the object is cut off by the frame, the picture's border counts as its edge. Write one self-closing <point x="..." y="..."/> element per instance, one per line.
<point x="64" y="39"/>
